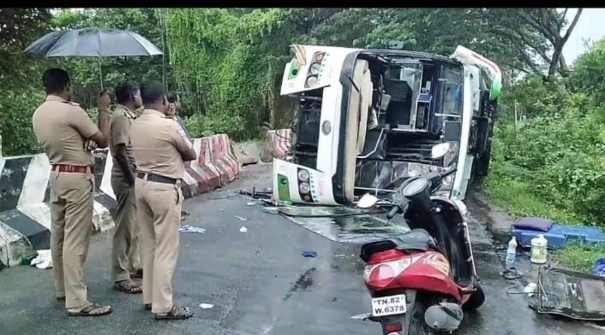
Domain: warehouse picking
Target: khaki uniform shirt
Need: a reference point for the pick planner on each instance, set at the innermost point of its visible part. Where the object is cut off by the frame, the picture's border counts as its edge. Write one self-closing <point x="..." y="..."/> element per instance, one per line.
<point x="157" y="143"/>
<point x="62" y="127"/>
<point x="120" y="123"/>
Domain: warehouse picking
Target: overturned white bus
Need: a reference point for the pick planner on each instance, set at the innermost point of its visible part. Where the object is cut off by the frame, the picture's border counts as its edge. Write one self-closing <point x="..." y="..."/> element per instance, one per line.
<point x="368" y="119"/>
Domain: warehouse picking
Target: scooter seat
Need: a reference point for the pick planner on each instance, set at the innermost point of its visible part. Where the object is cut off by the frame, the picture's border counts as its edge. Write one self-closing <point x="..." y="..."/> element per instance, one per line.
<point x="414" y="240"/>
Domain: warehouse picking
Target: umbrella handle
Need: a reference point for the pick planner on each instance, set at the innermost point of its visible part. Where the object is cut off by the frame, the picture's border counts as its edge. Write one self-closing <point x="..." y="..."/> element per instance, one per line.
<point x="101" y="74"/>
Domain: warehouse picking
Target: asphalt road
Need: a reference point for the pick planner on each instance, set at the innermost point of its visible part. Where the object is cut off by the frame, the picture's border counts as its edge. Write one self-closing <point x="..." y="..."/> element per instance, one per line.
<point x="258" y="282"/>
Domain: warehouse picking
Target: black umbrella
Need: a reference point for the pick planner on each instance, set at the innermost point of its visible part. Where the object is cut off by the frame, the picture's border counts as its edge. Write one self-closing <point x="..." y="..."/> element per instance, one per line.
<point x="92" y="42"/>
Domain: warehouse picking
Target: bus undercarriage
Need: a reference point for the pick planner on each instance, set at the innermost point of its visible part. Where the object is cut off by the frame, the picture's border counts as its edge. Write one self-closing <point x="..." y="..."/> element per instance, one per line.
<point x="368" y="119"/>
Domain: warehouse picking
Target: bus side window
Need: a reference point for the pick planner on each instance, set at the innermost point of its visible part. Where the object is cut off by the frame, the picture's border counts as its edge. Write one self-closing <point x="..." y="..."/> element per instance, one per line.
<point x="452" y="97"/>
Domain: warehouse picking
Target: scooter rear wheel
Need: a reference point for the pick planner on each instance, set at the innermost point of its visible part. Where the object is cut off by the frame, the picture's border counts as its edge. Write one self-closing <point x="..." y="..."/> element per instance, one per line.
<point x="476" y="300"/>
<point x="417" y="324"/>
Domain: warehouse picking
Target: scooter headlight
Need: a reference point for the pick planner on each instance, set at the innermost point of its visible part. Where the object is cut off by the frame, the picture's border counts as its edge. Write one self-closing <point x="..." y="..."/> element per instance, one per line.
<point x="414" y="187"/>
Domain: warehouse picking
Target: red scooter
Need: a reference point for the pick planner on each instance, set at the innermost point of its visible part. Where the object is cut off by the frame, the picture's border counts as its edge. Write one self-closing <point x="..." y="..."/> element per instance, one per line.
<point x="422" y="281"/>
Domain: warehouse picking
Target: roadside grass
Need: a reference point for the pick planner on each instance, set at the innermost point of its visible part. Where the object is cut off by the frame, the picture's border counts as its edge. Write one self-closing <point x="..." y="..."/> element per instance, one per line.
<point x="516" y="199"/>
<point x="580" y="257"/>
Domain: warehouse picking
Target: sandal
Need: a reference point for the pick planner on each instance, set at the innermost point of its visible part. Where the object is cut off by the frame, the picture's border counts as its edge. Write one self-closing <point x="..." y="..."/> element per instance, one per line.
<point x="176" y="313"/>
<point x="128" y="286"/>
<point x="511" y="274"/>
<point x="92" y="310"/>
<point x="148" y="307"/>
<point x="60" y="298"/>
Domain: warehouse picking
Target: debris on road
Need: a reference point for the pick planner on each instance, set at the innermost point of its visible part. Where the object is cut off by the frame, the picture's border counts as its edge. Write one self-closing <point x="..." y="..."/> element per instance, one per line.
<point x="43" y="260"/>
<point x="26" y="260"/>
<point x="245" y="161"/>
<point x="265" y="194"/>
<point x="530" y="289"/>
<point x="191" y="229"/>
<point x="309" y="254"/>
<point x="241" y="218"/>
<point x="271" y="210"/>
<point x="206" y="306"/>
<point x="243" y="229"/>
<point x="251" y="203"/>
<point x="222" y="197"/>
<point x="568" y="293"/>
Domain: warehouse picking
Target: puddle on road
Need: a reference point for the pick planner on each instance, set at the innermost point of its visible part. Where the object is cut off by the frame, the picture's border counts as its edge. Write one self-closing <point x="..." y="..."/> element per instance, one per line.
<point x="301" y="284"/>
<point x="341" y="224"/>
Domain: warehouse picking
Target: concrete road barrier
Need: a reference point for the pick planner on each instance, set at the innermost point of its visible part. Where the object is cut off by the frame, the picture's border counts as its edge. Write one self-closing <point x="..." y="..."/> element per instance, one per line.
<point x="223" y="158"/>
<point x="201" y="176"/>
<point x="25" y="193"/>
<point x="280" y="141"/>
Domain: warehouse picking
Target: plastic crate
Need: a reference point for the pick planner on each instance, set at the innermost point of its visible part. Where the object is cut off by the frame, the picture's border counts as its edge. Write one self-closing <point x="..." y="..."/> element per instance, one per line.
<point x="559" y="235"/>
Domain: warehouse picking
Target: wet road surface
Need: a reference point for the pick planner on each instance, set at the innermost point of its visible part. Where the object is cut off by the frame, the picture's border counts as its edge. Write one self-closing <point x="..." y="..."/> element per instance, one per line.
<point x="258" y="282"/>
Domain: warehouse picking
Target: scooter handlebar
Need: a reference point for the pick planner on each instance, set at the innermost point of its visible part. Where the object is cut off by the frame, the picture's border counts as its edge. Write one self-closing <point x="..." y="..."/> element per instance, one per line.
<point x="393" y="212"/>
<point x="401" y="208"/>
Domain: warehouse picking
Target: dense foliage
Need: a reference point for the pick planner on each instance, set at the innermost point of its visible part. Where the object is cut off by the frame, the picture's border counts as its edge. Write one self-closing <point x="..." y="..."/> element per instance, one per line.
<point x="552" y="162"/>
<point x="228" y="63"/>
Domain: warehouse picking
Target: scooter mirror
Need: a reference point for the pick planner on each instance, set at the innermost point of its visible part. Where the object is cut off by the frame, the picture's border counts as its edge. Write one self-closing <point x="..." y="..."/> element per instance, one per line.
<point x="440" y="150"/>
<point x="367" y="201"/>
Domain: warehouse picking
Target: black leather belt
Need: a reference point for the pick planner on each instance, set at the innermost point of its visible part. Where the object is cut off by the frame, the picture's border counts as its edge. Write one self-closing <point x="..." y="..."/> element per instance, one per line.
<point x="157" y="178"/>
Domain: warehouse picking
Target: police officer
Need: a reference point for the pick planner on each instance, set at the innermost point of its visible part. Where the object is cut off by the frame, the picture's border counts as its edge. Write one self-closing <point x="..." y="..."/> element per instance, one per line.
<point x="174" y="104"/>
<point x="159" y="148"/>
<point x="125" y="254"/>
<point x="62" y="128"/>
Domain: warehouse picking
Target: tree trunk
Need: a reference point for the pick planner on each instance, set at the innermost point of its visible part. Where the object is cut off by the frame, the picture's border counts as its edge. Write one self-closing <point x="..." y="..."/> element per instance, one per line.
<point x="164" y="65"/>
<point x="558" y="49"/>
<point x="557" y="57"/>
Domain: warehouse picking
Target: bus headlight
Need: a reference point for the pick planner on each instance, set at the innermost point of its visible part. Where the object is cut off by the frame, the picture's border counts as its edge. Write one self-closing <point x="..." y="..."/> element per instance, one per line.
<point x="314" y="69"/>
<point x="304" y="188"/>
<point x="303" y="175"/>
<point x="311" y="82"/>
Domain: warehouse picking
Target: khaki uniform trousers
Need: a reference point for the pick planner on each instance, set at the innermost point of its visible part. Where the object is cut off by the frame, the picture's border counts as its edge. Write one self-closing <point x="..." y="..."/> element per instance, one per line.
<point x="158" y="215"/>
<point x="125" y="245"/>
<point x="71" y="210"/>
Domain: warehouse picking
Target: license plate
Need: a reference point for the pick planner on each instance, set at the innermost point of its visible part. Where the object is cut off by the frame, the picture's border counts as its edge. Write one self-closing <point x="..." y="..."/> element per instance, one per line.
<point x="390" y="305"/>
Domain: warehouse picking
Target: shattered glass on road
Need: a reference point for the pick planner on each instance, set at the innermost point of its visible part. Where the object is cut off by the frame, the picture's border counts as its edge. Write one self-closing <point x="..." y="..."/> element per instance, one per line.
<point x="342" y="224"/>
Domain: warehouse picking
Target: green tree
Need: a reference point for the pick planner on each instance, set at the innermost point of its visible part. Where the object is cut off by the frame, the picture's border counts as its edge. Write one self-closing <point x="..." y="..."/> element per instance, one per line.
<point x="20" y="27"/>
<point x="21" y="93"/>
<point x="535" y="33"/>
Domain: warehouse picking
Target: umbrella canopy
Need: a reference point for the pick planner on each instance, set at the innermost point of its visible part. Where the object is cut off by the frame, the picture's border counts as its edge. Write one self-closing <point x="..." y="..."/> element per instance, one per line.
<point x="92" y="42"/>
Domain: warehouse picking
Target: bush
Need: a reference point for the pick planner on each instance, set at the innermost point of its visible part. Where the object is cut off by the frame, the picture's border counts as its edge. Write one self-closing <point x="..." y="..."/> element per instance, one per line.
<point x="551" y="163"/>
<point x="202" y="125"/>
<point x="16" y="110"/>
